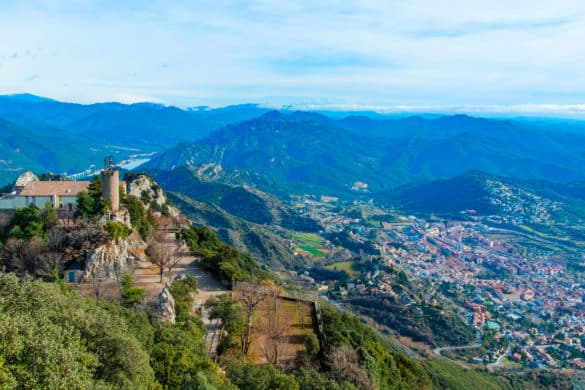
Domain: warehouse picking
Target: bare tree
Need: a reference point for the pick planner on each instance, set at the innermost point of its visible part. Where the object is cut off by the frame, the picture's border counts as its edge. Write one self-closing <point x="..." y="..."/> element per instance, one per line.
<point x="346" y="365"/>
<point x="275" y="327"/>
<point x="98" y="277"/>
<point x="250" y="296"/>
<point x="24" y="256"/>
<point x="163" y="253"/>
<point x="56" y="241"/>
<point x="4" y="223"/>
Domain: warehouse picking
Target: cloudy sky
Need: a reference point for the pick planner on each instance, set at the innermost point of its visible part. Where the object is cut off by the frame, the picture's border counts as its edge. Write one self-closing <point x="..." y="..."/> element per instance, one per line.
<point x="520" y="56"/>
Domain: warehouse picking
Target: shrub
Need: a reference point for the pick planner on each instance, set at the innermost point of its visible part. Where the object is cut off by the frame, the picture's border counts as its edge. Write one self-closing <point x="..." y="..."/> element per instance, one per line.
<point x="140" y="219"/>
<point x="117" y="230"/>
<point x="131" y="294"/>
<point x="182" y="290"/>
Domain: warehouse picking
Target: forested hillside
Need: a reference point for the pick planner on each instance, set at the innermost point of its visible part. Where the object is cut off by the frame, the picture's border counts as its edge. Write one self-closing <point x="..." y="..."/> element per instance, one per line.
<point x="309" y="153"/>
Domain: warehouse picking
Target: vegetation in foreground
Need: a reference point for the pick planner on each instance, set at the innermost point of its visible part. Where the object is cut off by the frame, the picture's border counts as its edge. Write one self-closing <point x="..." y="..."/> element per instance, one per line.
<point x="52" y="338"/>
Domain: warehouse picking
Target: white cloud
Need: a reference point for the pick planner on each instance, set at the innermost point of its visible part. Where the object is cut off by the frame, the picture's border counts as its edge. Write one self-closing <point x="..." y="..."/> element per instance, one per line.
<point x="363" y="53"/>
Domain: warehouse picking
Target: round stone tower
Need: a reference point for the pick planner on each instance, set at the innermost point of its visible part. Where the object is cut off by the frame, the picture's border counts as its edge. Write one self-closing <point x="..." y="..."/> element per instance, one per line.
<point x="111" y="187"/>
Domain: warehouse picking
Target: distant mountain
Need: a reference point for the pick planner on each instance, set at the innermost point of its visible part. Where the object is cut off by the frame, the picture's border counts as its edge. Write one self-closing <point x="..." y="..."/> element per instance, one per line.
<point x="424" y="128"/>
<point x="261" y="241"/>
<point x="26" y="97"/>
<point x="144" y="125"/>
<point x="444" y="197"/>
<point x="42" y="134"/>
<point x="24" y="149"/>
<point x="292" y="152"/>
<point x="307" y="152"/>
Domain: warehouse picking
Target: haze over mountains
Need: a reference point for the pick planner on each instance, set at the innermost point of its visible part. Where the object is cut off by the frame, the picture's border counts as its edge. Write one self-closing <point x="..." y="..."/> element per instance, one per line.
<point x="307" y="152"/>
<point x="289" y="152"/>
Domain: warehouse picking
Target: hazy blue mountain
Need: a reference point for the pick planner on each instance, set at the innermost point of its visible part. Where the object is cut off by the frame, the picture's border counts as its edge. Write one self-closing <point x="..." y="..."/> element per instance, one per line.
<point x="296" y="151"/>
<point x="23" y="149"/>
<point x="307" y="152"/>
<point x="307" y="155"/>
<point x="424" y="128"/>
<point x="143" y="125"/>
<point x="26" y="97"/>
<point x="445" y="197"/>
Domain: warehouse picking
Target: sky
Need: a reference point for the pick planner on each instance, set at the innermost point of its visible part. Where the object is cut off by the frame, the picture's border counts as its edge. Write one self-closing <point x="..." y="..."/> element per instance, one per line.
<point x="434" y="56"/>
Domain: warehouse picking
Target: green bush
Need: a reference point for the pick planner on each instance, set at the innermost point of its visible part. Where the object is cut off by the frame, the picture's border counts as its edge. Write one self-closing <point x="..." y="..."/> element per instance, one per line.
<point x="247" y="376"/>
<point x="91" y="204"/>
<point x="52" y="339"/>
<point x="117" y="230"/>
<point x="30" y="221"/>
<point x="182" y="291"/>
<point x="130" y="294"/>
<point x="140" y="218"/>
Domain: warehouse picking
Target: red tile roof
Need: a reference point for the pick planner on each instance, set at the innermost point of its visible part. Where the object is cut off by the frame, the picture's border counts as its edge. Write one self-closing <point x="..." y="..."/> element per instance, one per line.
<point x="49" y="188"/>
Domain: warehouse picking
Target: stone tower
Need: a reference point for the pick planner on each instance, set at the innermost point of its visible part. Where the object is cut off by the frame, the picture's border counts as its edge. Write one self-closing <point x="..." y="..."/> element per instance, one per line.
<point x="111" y="186"/>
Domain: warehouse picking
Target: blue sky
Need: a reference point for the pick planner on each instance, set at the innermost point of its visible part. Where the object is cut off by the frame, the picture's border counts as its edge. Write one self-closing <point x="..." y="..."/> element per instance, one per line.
<point x="457" y="55"/>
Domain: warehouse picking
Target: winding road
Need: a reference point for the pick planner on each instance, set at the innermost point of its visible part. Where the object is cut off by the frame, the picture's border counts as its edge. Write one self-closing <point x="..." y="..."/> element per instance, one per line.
<point x="477" y="344"/>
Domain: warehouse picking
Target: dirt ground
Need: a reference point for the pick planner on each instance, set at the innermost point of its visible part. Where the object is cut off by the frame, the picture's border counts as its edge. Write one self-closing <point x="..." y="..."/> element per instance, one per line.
<point x="295" y="320"/>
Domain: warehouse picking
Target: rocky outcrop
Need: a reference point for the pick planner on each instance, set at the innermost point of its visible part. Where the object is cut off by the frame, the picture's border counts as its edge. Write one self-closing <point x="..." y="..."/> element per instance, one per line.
<point x="24" y="179"/>
<point x="144" y="187"/>
<point x="165" y="307"/>
<point x="112" y="259"/>
<point x="208" y="172"/>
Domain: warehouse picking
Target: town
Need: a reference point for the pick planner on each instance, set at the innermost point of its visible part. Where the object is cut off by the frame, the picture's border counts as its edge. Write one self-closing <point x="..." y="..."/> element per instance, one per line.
<point x="525" y="301"/>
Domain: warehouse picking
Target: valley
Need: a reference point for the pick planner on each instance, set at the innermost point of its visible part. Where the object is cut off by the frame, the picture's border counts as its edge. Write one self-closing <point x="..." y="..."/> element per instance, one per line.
<point x="485" y="270"/>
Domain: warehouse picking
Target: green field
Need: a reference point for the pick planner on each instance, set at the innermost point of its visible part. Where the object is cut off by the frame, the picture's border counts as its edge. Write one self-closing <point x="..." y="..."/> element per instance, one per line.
<point x="312" y="250"/>
<point x="310" y="243"/>
<point x="347" y="266"/>
<point x="308" y="239"/>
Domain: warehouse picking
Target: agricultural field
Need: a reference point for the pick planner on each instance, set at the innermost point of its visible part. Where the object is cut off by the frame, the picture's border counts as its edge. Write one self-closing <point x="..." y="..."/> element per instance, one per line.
<point x="347" y="266"/>
<point x="310" y="244"/>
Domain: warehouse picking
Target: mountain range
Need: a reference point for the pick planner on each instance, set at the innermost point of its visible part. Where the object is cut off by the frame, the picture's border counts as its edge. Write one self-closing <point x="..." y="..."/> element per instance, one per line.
<point x="308" y="152"/>
<point x="286" y="152"/>
<point x="46" y="135"/>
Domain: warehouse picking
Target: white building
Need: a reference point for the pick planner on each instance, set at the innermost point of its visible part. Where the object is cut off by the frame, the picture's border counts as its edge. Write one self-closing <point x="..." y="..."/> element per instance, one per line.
<point x="61" y="194"/>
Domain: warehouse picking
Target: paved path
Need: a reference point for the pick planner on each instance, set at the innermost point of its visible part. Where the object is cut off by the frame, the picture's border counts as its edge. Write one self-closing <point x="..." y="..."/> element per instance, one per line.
<point x="438" y="352"/>
<point x="207" y="287"/>
<point x="147" y="277"/>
